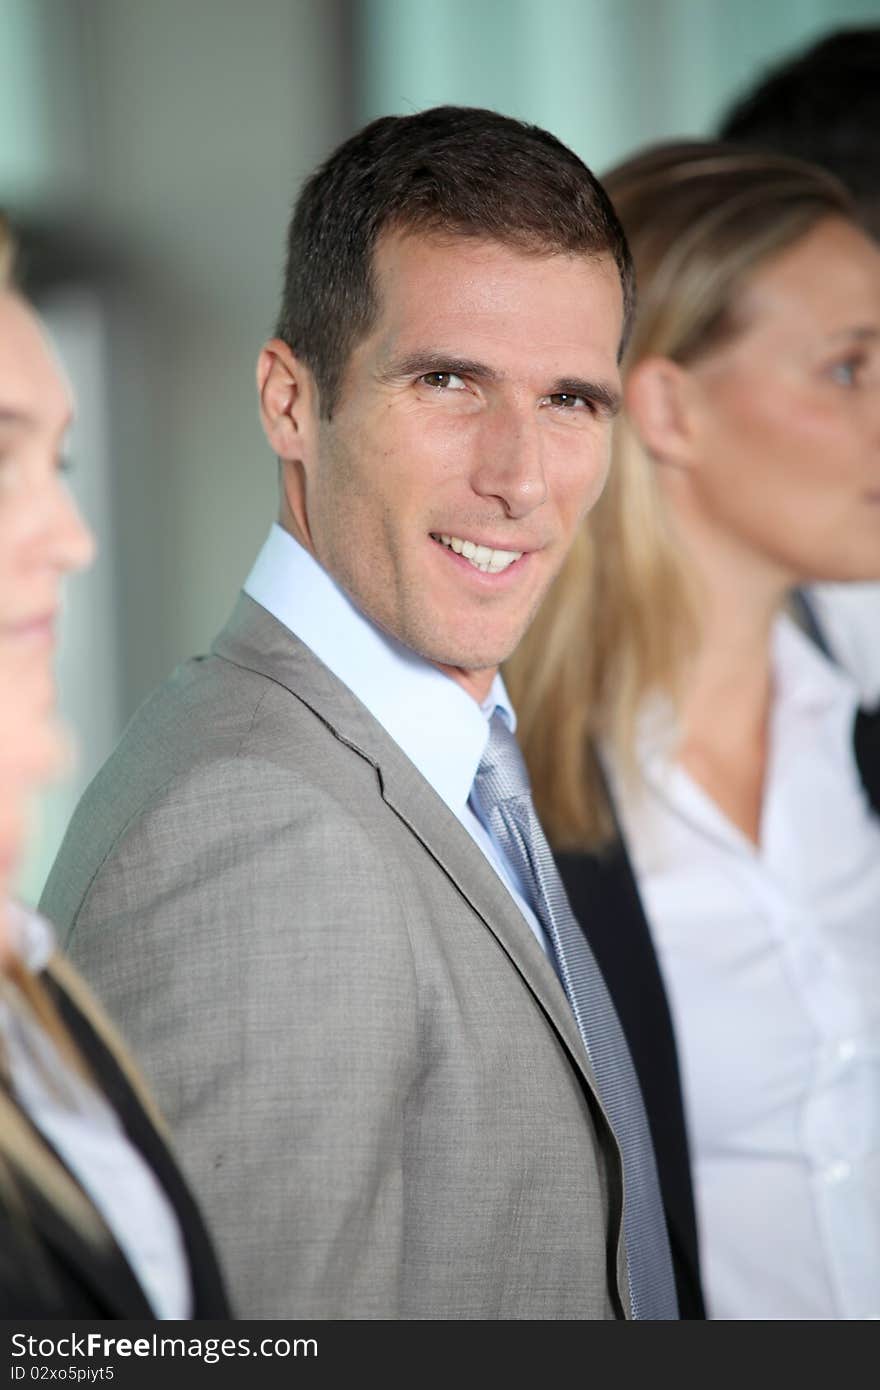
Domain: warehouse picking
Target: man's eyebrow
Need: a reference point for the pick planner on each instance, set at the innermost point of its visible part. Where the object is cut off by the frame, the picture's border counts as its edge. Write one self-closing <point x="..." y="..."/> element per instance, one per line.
<point x="423" y="362"/>
<point x="606" y="398"/>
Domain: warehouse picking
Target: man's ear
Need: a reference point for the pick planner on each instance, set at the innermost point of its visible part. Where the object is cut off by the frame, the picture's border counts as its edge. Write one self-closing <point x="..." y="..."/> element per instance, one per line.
<point x="661" y="401"/>
<point x="288" y="401"/>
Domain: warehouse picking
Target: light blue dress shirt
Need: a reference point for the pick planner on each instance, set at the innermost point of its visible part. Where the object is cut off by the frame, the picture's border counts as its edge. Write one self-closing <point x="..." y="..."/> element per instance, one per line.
<point x="438" y="725"/>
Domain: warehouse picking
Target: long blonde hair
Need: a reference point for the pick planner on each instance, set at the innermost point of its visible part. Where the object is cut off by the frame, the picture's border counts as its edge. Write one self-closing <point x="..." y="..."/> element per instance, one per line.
<point x="22" y="1156"/>
<point x="619" y="621"/>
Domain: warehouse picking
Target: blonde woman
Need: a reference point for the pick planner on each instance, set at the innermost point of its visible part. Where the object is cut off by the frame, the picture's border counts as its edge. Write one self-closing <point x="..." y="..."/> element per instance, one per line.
<point x="95" y="1219"/>
<point x="702" y="767"/>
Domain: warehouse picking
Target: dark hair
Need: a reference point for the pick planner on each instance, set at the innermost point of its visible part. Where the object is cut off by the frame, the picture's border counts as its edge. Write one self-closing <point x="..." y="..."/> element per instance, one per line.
<point x="823" y="106"/>
<point x="452" y="169"/>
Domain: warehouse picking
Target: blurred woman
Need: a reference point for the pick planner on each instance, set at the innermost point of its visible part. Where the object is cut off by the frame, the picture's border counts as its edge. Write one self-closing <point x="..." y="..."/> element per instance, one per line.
<point x="95" y="1219"/>
<point x="701" y="766"/>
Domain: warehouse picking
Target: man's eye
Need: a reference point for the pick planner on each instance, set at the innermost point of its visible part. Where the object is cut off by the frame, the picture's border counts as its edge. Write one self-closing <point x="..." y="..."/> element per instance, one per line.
<point x="564" y="400"/>
<point x="443" y="381"/>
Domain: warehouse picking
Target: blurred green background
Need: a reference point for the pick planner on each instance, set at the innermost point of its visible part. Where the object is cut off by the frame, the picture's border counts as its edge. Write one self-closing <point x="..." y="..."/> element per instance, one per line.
<point x="150" y="151"/>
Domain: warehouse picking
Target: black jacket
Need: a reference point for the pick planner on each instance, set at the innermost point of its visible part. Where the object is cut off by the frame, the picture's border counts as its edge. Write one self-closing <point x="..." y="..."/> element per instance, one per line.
<point x="47" y="1269"/>
<point x="605" y="899"/>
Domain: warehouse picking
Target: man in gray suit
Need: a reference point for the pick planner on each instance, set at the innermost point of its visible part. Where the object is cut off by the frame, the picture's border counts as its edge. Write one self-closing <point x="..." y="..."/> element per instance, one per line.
<point x="279" y="884"/>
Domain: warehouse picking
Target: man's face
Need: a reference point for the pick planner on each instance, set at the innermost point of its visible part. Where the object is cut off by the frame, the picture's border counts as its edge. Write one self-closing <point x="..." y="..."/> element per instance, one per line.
<point x="471" y="436"/>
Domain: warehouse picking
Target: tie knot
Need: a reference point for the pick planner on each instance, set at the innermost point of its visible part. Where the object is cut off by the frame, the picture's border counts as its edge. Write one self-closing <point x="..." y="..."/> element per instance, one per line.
<point x="501" y="775"/>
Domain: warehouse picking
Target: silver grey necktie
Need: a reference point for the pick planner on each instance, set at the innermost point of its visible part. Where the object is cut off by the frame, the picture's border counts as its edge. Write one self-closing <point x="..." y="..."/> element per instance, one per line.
<point x="502" y="798"/>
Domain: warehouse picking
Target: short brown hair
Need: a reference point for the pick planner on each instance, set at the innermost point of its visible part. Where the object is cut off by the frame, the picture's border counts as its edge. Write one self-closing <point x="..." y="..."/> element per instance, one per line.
<point x="451" y="169"/>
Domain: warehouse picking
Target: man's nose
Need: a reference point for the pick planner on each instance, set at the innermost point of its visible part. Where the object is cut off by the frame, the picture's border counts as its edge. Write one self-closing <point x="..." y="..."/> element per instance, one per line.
<point x="510" y="464"/>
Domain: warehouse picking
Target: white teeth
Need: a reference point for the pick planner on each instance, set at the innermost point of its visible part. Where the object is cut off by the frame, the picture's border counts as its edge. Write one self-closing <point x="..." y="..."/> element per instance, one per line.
<point x="482" y="557"/>
<point x="500" y="559"/>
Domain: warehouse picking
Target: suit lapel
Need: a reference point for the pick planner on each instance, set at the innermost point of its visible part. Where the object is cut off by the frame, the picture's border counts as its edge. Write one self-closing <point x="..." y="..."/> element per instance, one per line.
<point x="453" y="849"/>
<point x="257" y="641"/>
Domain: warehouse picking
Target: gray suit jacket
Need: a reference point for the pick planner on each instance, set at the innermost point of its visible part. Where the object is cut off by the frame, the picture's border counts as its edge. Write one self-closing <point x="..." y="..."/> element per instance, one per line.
<point x="371" y="1071"/>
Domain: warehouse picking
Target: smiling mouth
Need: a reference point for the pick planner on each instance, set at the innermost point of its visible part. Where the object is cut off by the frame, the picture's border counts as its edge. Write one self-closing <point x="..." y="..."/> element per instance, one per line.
<point x="482" y="557"/>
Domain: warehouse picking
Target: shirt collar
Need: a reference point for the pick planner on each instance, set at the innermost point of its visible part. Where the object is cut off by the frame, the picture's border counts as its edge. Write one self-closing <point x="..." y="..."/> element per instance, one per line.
<point x="805" y="678"/>
<point x="440" y="728"/>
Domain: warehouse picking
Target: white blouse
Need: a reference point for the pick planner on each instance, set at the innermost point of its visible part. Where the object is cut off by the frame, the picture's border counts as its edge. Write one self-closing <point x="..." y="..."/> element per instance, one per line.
<point x="88" y="1135"/>
<point x="771" y="958"/>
